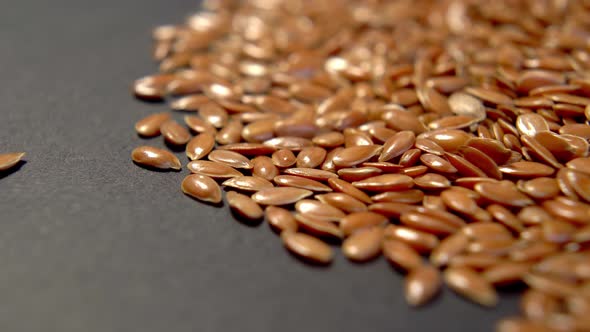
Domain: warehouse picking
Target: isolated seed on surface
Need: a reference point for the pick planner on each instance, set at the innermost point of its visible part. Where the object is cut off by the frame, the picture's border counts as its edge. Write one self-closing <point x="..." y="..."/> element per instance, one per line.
<point x="144" y="155"/>
<point x="9" y="160"/>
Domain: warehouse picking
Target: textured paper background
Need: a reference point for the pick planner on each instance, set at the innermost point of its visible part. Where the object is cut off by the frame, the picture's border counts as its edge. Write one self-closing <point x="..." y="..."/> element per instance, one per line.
<point x="89" y="242"/>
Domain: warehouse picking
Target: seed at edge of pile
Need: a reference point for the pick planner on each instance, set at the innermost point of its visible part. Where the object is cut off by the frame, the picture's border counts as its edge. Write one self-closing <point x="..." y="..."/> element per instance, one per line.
<point x="422" y="284"/>
<point x="244" y="205"/>
<point x="307" y="247"/>
<point x="469" y="284"/>
<point x="202" y="188"/>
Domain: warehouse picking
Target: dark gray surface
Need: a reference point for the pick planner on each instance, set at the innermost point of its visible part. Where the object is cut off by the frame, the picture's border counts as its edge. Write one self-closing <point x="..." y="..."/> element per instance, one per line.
<point x="90" y="242"/>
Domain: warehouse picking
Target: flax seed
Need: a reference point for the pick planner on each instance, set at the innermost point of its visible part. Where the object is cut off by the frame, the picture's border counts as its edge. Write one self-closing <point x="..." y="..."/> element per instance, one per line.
<point x="247" y="183"/>
<point x="307" y="247"/>
<point x="244" y="206"/>
<point x="230" y="158"/>
<point x="473" y="94"/>
<point x="202" y="188"/>
<point x="469" y="284"/>
<point x="150" y="125"/>
<point x="450" y="247"/>
<point x="280" y="219"/>
<point x="422" y="284"/>
<point x="343" y="202"/>
<point x="199" y="146"/>
<point x="401" y="254"/>
<point x="174" y="133"/>
<point x="363" y="245"/>
<point x="262" y="166"/>
<point x="155" y="158"/>
<point x="419" y="241"/>
<point x="317" y="227"/>
<point x="144" y="155"/>
<point x="319" y="210"/>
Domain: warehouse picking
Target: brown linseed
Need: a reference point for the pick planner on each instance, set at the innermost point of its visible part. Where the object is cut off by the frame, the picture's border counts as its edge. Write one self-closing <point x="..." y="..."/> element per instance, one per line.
<point x="9" y="160"/>
<point x="466" y="98"/>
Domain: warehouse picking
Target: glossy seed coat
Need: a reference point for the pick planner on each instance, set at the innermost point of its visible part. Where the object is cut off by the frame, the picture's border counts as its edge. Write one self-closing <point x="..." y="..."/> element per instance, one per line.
<point x="244" y="206"/>
<point x="422" y="284"/>
<point x="150" y="125"/>
<point x="280" y="195"/>
<point x="307" y="247"/>
<point x="202" y="188"/>
<point x="9" y="160"/>
<point x="144" y="155"/>
<point x="469" y="284"/>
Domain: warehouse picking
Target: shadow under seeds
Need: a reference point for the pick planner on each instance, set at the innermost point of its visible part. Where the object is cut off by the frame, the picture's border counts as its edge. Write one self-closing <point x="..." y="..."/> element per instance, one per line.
<point x="12" y="170"/>
<point x="174" y="147"/>
<point x="509" y="289"/>
<point x="245" y="221"/>
<point x="217" y="205"/>
<point x="310" y="263"/>
<point x="154" y="101"/>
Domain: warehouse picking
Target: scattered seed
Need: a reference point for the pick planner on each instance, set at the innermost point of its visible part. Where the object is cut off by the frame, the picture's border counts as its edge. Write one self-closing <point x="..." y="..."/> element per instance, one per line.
<point x="144" y="155"/>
